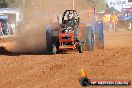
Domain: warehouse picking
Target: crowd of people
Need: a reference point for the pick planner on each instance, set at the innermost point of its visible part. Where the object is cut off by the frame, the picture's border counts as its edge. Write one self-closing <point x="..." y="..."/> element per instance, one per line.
<point x="6" y="28"/>
<point x="110" y="21"/>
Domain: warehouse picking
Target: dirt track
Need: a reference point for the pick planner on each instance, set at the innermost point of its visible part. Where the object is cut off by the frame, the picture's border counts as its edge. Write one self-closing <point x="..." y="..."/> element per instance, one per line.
<point x="63" y="70"/>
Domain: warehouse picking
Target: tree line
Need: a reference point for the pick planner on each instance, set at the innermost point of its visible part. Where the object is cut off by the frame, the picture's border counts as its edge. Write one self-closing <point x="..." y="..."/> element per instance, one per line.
<point x="97" y="4"/>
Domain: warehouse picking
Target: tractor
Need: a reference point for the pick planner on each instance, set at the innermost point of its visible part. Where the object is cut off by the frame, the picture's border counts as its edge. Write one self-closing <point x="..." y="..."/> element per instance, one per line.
<point x="70" y="35"/>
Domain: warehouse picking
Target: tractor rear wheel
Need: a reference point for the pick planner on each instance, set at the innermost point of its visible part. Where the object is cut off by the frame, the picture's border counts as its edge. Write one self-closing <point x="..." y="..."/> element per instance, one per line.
<point x="88" y="39"/>
<point x="99" y="35"/>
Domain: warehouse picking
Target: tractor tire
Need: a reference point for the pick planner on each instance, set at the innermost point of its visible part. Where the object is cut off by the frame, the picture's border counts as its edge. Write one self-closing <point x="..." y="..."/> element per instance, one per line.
<point x="88" y="39"/>
<point x="99" y="35"/>
<point x="48" y="29"/>
<point x="80" y="48"/>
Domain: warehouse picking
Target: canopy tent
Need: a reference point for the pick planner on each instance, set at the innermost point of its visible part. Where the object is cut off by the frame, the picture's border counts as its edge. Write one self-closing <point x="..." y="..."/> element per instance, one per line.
<point x="11" y="11"/>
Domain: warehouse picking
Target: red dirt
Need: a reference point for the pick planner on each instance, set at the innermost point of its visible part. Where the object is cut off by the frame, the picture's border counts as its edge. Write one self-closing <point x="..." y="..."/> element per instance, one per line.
<point x="63" y="70"/>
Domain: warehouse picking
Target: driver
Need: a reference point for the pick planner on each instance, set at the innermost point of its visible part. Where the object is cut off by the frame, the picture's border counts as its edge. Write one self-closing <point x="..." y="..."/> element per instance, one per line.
<point x="72" y="22"/>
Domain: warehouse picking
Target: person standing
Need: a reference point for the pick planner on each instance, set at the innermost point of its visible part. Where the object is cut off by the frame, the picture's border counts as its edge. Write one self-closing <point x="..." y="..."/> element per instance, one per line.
<point x="108" y="21"/>
<point x="104" y="19"/>
<point x="12" y="26"/>
<point x="1" y="31"/>
<point x="113" y="20"/>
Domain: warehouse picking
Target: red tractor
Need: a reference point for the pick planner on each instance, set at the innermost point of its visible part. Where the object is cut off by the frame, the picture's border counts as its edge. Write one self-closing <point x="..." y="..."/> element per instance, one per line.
<point x="67" y="38"/>
<point x="70" y="34"/>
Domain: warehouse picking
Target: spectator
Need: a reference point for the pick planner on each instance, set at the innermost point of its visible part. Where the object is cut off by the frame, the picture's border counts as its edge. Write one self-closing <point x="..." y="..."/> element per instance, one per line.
<point x="5" y="27"/>
<point x="12" y="26"/>
<point x="104" y="19"/>
<point x="113" y="20"/>
<point x="1" y="31"/>
<point x="108" y="21"/>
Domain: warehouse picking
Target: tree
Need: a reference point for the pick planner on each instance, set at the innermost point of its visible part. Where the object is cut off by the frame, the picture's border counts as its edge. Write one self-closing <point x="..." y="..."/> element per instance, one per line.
<point x="129" y="0"/>
<point x="4" y="3"/>
<point x="99" y="5"/>
<point x="8" y="3"/>
<point x="12" y="3"/>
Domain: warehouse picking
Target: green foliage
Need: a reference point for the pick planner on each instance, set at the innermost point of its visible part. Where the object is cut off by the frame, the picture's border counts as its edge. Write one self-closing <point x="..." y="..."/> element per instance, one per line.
<point x="10" y="3"/>
<point x="100" y="5"/>
<point x="4" y="3"/>
<point x="7" y="3"/>
<point x="82" y="4"/>
<point x="129" y="0"/>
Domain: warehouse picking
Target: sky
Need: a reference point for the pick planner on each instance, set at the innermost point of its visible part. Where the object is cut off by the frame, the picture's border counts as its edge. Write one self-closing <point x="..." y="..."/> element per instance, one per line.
<point x="106" y="0"/>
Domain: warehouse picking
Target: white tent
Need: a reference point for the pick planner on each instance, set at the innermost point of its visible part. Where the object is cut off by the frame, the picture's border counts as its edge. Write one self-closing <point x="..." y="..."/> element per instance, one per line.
<point x="13" y="11"/>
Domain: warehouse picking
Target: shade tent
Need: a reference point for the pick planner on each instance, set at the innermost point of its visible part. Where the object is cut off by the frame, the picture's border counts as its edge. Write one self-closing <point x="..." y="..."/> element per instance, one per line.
<point x="111" y="10"/>
<point x="11" y="11"/>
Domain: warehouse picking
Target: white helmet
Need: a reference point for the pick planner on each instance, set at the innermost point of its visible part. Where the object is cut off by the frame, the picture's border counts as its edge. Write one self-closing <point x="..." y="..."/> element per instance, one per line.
<point x="70" y="16"/>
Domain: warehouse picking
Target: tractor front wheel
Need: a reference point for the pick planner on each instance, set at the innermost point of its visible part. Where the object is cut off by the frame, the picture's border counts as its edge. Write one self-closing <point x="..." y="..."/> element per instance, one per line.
<point x="80" y="48"/>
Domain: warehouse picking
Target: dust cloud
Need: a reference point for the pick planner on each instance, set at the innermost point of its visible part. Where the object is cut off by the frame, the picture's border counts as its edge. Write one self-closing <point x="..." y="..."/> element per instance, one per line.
<point x="31" y="33"/>
<point x="37" y="14"/>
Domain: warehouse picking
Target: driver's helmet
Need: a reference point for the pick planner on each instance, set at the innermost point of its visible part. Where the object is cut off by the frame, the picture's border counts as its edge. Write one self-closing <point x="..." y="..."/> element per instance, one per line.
<point x="70" y="16"/>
